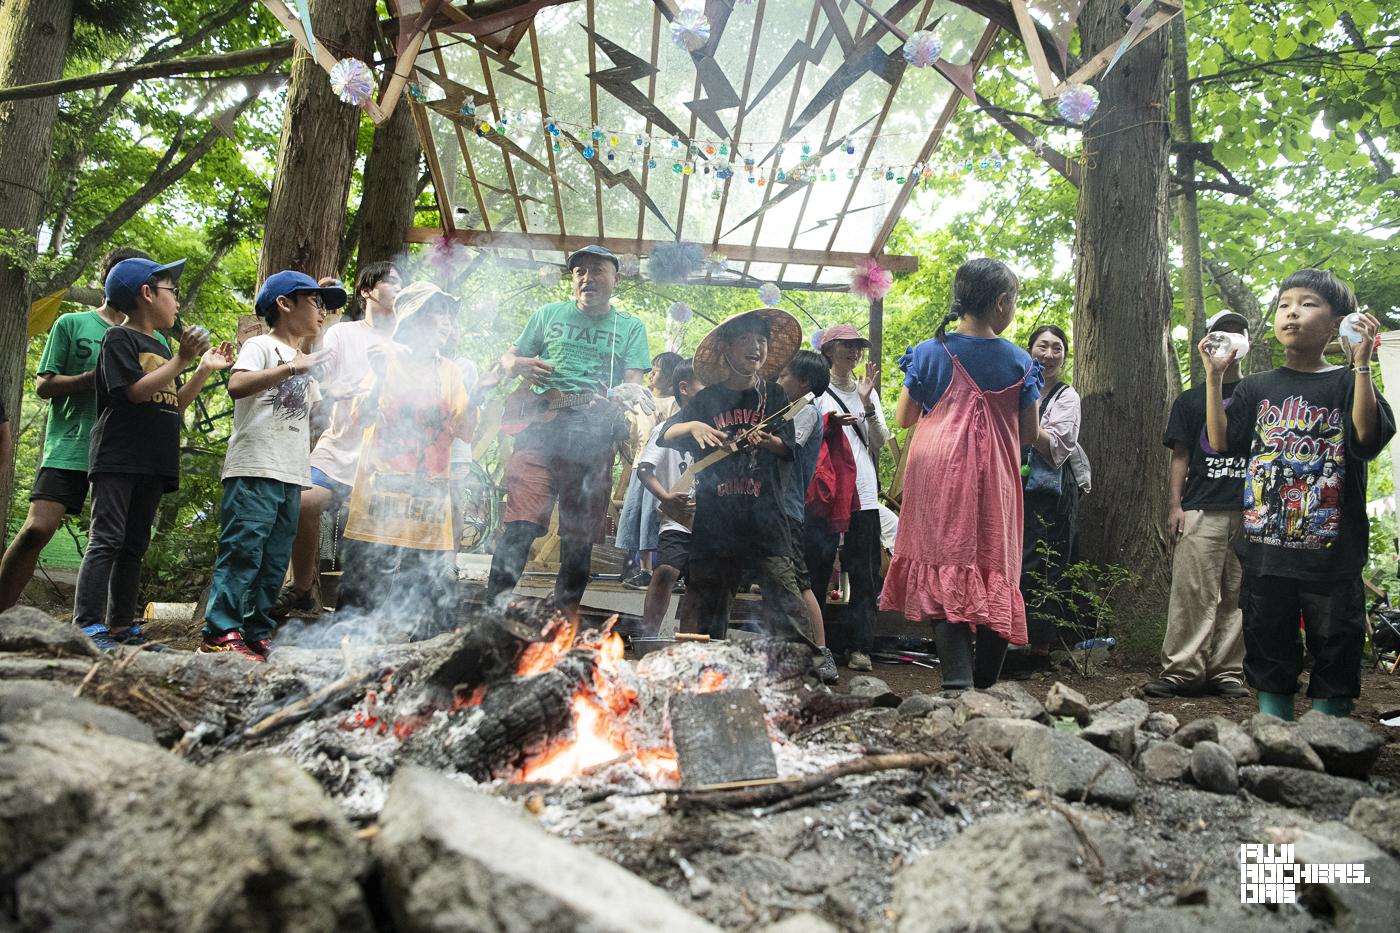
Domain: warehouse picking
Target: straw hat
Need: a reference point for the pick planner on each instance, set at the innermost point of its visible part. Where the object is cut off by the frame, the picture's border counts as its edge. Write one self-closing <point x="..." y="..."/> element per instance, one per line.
<point x="712" y="368"/>
<point x="415" y="298"/>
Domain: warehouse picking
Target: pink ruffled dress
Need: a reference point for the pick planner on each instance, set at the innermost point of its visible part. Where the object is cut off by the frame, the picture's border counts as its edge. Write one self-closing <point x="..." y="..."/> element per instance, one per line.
<point x="957" y="555"/>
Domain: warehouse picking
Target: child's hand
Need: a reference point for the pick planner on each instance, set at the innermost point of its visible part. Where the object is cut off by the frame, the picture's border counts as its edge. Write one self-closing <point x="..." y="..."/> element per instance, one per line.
<point x="770" y="442"/>
<point x="194" y="340"/>
<point x="678" y="506"/>
<point x="311" y="362"/>
<point x="1215" y="365"/>
<point x="707" y="436"/>
<point x="1362" y="351"/>
<point x="220" y="357"/>
<point x="844" y="419"/>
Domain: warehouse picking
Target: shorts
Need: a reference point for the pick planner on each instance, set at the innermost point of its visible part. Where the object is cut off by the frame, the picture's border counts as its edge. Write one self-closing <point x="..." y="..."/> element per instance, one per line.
<point x="535" y="479"/>
<point x="797" y="553"/>
<point x="340" y="493"/>
<point x="673" y="550"/>
<point x="69" y="487"/>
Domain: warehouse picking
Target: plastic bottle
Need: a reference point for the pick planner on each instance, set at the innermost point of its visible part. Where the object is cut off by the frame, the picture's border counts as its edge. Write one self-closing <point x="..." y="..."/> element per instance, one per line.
<point x="1219" y="343"/>
<point x="1093" y="643"/>
<point x="1350" y="329"/>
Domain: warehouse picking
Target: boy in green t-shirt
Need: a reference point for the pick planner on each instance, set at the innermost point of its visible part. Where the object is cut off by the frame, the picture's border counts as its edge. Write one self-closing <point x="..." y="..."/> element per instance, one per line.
<point x="66" y="378"/>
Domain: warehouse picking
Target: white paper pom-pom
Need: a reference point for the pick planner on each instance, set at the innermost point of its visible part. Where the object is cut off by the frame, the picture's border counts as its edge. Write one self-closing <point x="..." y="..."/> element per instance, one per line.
<point x="352" y="81"/>
<point x="770" y="294"/>
<point x="681" y="312"/>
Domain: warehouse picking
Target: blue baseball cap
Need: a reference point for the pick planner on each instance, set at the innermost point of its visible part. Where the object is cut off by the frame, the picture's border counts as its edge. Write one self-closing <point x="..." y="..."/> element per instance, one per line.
<point x="295" y="283"/>
<point x="594" y="249"/>
<point x="126" y="278"/>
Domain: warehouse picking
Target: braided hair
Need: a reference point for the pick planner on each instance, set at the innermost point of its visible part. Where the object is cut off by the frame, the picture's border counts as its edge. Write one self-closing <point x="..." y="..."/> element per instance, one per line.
<point x="976" y="287"/>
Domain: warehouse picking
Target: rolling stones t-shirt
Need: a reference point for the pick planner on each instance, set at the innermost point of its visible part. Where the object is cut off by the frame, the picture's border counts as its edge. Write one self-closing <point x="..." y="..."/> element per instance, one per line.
<point x="1305" y="475"/>
<point x="738" y="509"/>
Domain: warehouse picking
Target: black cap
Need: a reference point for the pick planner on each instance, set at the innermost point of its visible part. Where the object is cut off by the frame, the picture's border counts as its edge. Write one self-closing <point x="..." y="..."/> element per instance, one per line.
<point x="594" y="249"/>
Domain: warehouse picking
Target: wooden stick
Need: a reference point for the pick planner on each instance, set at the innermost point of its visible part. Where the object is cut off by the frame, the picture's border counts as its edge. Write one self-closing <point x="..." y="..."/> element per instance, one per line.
<point x="295" y="712"/>
<point x="771" y="793"/>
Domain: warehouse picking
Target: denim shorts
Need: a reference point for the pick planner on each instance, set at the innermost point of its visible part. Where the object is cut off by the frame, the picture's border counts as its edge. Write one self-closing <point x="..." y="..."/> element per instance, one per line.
<point x="340" y="493"/>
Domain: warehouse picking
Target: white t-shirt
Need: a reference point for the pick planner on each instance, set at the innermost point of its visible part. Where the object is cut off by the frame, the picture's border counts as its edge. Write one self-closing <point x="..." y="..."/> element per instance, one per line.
<point x="461" y="450"/>
<point x="272" y="429"/>
<point x="876" y="431"/>
<point x="338" y="450"/>
<point x="668" y="466"/>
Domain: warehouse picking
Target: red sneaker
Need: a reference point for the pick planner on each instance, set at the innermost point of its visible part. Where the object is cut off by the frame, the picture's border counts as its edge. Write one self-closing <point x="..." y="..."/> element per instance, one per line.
<point x="230" y="641"/>
<point x="262" y="646"/>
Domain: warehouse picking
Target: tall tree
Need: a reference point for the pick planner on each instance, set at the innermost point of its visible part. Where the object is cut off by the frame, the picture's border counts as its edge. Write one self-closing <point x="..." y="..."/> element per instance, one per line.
<point x="390" y="189"/>
<point x="34" y="38"/>
<point x="316" y="154"/>
<point x="1187" y="215"/>
<point x="1123" y="305"/>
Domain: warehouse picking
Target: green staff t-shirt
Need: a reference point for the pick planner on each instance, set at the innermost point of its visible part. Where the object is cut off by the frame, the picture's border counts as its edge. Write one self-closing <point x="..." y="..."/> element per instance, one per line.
<point x="71" y="351"/>
<point x="588" y="354"/>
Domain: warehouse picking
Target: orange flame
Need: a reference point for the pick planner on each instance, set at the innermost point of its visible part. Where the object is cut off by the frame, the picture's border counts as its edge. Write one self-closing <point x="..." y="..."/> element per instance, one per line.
<point x="710" y="681"/>
<point x="544" y="655"/>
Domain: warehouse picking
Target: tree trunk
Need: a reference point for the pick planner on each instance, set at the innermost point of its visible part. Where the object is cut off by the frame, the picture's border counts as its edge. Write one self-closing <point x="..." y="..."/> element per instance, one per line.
<point x="1122" y="310"/>
<point x="316" y="154"/>
<point x="391" y="188"/>
<point x="33" y="42"/>
<point x="1190" y="221"/>
<point x="1239" y="298"/>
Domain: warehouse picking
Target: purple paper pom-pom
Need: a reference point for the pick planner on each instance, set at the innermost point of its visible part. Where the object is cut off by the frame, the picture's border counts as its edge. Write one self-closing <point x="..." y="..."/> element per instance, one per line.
<point x="1078" y="103"/>
<point x="672" y="263"/>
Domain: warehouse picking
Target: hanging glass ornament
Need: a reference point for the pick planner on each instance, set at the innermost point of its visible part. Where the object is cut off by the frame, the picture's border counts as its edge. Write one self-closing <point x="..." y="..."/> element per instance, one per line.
<point x="922" y="49"/>
<point x="1078" y="103"/>
<point x="690" y="30"/>
<point x="352" y="81"/>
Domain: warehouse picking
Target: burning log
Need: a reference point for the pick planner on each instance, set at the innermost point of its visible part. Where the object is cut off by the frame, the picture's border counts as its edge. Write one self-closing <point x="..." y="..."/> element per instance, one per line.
<point x="487" y="648"/>
<point x="334" y="695"/>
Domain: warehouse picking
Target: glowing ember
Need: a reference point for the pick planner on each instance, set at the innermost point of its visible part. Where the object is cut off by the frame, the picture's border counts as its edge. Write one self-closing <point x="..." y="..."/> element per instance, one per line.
<point x="595" y="743"/>
<point x="710" y="681"/>
<point x="544" y="655"/>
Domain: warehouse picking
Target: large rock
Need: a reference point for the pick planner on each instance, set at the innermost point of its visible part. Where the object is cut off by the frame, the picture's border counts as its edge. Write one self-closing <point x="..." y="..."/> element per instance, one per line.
<point x="867" y="685"/>
<point x="921" y="704"/>
<point x="1197" y="730"/>
<point x="1002" y="735"/>
<point x="1161" y="762"/>
<point x="247" y="844"/>
<point x="59" y="779"/>
<point x="1213" y="768"/>
<point x="1074" y="769"/>
<point x="1160" y="724"/>
<point x="26" y="629"/>
<point x="1354" y="908"/>
<point x="455" y="859"/>
<point x="1347" y="747"/>
<point x="1018" y="700"/>
<point x="1325" y="794"/>
<point x="34" y="702"/>
<point x="1280" y="744"/>
<point x="1002" y="701"/>
<point x="1014" y="874"/>
<point x="800" y="923"/>
<point x="1115" y="729"/>
<point x="1066" y="701"/>
<point x="1378" y="819"/>
<point x="1236" y="741"/>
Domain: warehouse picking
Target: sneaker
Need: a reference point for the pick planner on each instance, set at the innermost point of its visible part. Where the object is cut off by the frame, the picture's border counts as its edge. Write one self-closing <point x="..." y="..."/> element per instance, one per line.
<point x="104" y="641"/>
<point x="262" y="646"/>
<point x="679" y="587"/>
<point x="859" y="661"/>
<point x="293" y="603"/>
<point x="638" y="581"/>
<point x="229" y="641"/>
<point x="1231" y="689"/>
<point x="138" y="639"/>
<point x="1163" y="689"/>
<point x="826" y="670"/>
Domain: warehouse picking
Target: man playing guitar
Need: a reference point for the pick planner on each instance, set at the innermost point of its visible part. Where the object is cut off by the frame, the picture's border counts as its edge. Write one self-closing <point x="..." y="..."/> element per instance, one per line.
<point x="572" y="347"/>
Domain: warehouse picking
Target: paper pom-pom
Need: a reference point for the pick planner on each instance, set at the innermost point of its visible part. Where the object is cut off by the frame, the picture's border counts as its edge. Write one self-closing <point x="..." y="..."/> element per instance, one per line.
<point x="681" y="312"/>
<point x="816" y="339"/>
<point x="549" y="276"/>
<point x="352" y="81"/>
<point x="628" y="265"/>
<point x="672" y="263"/>
<point x="716" y="264"/>
<point x="922" y="49"/>
<point x="770" y="294"/>
<point x="871" y="281"/>
<point x="1078" y="103"/>
<point x="690" y="29"/>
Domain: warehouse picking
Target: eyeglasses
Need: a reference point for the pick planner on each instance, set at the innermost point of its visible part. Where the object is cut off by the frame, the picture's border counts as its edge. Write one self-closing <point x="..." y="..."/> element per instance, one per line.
<point x="316" y="300"/>
<point x="173" y="289"/>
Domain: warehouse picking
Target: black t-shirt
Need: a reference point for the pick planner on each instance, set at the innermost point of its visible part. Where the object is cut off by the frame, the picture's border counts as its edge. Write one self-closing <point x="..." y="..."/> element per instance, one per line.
<point x="134" y="438"/>
<point x="1305" y="479"/>
<point x="738" y="501"/>
<point x="1214" y="483"/>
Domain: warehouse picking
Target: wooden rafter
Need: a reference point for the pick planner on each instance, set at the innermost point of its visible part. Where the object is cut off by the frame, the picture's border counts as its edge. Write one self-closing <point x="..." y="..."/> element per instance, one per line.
<point x="739" y="121"/>
<point x="979" y="55"/>
<point x="505" y="153"/>
<point x="685" y="179"/>
<point x="425" y="139"/>
<point x="651" y="99"/>
<point x="544" y="109"/>
<point x="738" y="251"/>
<point x="593" y="113"/>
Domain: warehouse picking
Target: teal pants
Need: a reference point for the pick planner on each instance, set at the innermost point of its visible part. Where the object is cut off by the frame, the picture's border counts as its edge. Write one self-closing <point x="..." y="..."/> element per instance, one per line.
<point x="259" y="523"/>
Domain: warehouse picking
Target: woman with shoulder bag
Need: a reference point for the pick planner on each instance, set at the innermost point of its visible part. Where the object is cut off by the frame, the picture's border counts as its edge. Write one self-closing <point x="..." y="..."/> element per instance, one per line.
<point x="1051" y="499"/>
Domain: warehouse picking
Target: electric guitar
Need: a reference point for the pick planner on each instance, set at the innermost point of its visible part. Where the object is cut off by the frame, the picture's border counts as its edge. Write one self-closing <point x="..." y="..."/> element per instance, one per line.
<point x="686" y="484"/>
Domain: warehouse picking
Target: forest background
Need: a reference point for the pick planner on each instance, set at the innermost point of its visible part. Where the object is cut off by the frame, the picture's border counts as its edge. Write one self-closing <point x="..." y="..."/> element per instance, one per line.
<point x="1287" y="160"/>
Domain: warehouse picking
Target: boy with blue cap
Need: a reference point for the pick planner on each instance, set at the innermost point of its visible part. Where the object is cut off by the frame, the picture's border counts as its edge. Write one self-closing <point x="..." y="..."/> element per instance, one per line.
<point x="134" y="453"/>
<point x="273" y="386"/>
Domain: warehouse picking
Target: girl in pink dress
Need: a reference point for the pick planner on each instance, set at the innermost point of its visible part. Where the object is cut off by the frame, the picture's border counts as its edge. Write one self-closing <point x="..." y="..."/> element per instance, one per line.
<point x="957" y="556"/>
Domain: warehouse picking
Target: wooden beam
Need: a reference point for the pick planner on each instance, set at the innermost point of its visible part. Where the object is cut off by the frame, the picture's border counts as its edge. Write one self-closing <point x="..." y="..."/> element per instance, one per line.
<point x="737" y="251"/>
<point x="1044" y="77"/>
<point x="425" y="139"/>
<point x="651" y="99"/>
<point x="544" y="111"/>
<point x="901" y="200"/>
<point x="739" y="121"/>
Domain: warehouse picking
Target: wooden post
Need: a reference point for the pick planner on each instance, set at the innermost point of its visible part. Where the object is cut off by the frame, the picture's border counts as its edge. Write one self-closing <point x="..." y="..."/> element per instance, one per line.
<point x="876" y="332"/>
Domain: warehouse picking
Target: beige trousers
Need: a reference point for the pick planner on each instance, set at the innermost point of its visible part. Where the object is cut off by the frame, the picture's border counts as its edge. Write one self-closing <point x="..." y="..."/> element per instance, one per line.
<point x="1205" y="640"/>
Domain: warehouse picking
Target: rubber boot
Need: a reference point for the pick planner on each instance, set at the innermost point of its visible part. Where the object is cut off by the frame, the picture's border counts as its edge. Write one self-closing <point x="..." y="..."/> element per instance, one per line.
<point x="1335" y="706"/>
<point x="954" y="643"/>
<point x="1276" y="704"/>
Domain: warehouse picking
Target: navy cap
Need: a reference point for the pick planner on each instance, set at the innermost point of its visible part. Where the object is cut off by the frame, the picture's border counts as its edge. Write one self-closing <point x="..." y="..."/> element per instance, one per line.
<point x="295" y="283"/>
<point x="126" y="278"/>
<point x="594" y="249"/>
